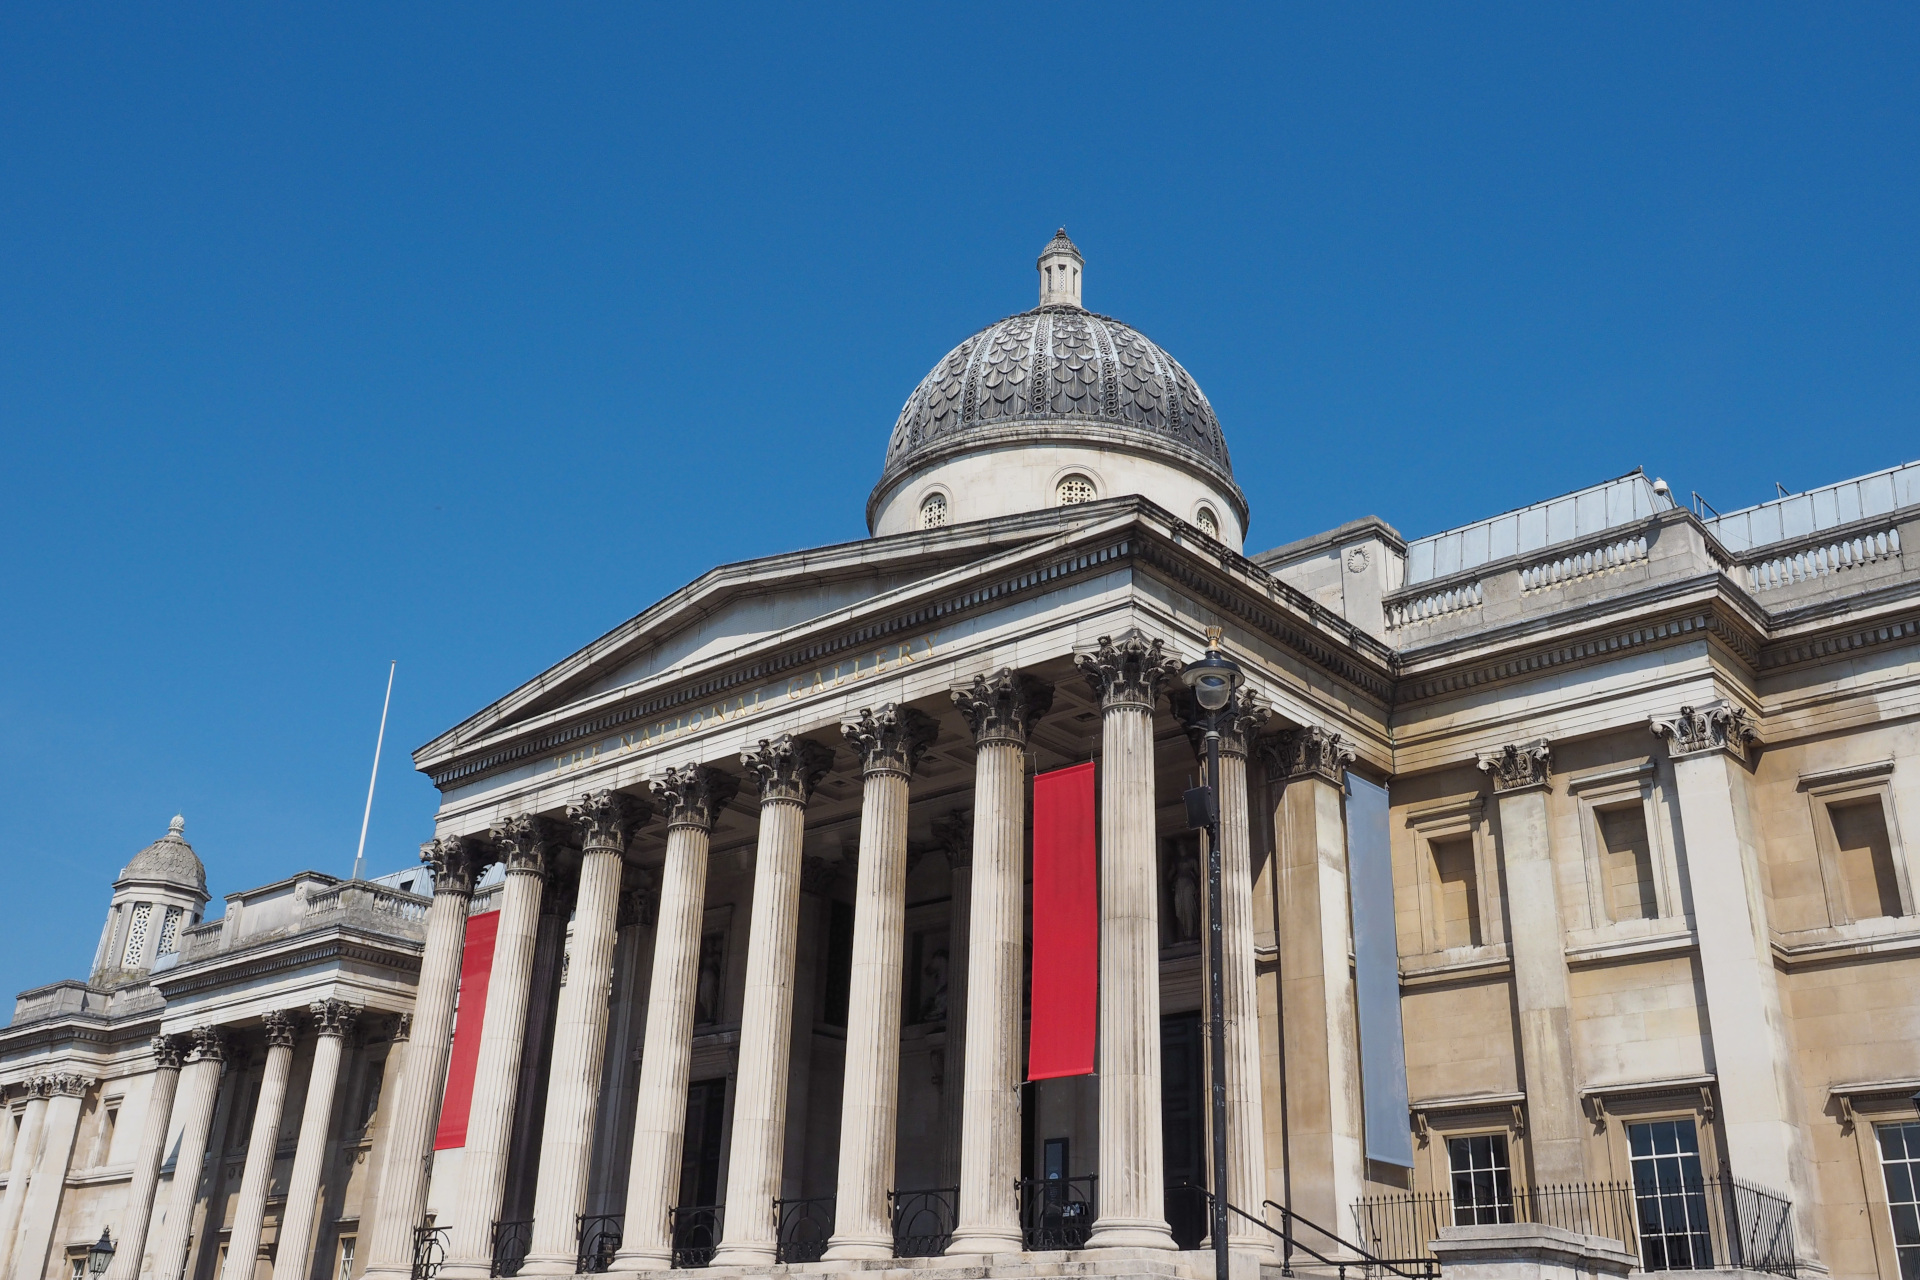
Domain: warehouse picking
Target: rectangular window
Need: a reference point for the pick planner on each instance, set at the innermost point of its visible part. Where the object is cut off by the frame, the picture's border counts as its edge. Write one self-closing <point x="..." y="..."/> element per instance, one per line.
<point x="345" y="1269"/>
<point x="1900" y="1163"/>
<point x="1866" y="858"/>
<point x="136" y="936"/>
<point x="1626" y="863"/>
<point x="1457" y="891"/>
<point x="77" y="1267"/>
<point x="103" y="1146"/>
<point x="1669" y="1196"/>
<point x="1482" y="1179"/>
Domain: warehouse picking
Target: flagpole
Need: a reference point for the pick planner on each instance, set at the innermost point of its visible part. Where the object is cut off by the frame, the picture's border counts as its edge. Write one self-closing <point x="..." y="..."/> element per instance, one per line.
<point x="359" y="855"/>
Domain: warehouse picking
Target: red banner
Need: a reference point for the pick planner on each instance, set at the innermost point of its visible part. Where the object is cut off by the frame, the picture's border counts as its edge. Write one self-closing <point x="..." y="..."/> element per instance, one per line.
<point x="1066" y="925"/>
<point x="476" y="970"/>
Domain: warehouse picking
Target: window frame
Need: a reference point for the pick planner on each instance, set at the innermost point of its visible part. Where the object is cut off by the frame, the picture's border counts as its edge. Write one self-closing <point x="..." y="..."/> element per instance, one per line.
<point x="1853" y="785"/>
<point x="1447" y="821"/>
<point x="1611" y="789"/>
<point x="927" y="500"/>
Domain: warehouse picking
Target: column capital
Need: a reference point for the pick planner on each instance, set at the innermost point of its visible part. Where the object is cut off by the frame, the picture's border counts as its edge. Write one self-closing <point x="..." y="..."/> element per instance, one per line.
<point x="953" y="832"/>
<point x="69" y="1084"/>
<point x="1307" y="751"/>
<point x="1128" y="671"/>
<point x="209" y="1044"/>
<point x="891" y="738"/>
<point x="281" y="1029"/>
<point x="1239" y="721"/>
<point x="333" y="1018"/>
<point x="1003" y="706"/>
<point x="786" y="768"/>
<point x="167" y="1053"/>
<point x="526" y="841"/>
<point x="1709" y="727"/>
<point x="693" y="794"/>
<point x="455" y="863"/>
<point x="606" y="818"/>
<point x="1518" y="766"/>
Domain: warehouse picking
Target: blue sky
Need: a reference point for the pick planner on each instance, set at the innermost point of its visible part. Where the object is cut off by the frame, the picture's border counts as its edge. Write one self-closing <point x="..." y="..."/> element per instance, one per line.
<point x="456" y="336"/>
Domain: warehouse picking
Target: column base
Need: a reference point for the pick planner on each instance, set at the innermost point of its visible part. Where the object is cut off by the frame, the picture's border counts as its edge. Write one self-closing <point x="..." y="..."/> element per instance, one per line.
<point x="637" y="1261"/>
<point x="547" y="1264"/>
<point x="745" y="1254"/>
<point x="385" y="1271"/>
<point x="466" y="1269"/>
<point x="1131" y="1233"/>
<point x="984" y="1240"/>
<point x="857" y="1248"/>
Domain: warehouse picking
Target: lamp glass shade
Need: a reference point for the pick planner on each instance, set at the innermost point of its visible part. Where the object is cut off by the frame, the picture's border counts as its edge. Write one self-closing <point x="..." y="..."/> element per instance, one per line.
<point x="1212" y="680"/>
<point x="100" y="1253"/>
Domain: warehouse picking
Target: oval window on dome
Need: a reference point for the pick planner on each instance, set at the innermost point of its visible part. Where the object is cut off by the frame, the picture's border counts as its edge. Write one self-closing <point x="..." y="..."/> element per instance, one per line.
<point x="1208" y="522"/>
<point x="1073" y="490"/>
<point x="933" y="511"/>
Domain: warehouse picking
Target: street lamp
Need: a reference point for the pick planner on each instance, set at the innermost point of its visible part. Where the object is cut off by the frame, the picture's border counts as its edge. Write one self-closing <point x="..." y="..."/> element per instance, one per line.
<point x="1213" y="680"/>
<point x="100" y="1254"/>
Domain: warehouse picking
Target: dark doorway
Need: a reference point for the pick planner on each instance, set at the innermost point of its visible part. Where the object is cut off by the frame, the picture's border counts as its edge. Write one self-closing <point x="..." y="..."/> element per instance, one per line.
<point x="1183" y="1127"/>
<point x="700" y="1162"/>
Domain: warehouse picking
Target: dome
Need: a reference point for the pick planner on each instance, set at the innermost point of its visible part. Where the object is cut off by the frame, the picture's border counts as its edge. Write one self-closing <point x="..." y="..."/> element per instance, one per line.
<point x="1059" y="375"/>
<point x="169" y="860"/>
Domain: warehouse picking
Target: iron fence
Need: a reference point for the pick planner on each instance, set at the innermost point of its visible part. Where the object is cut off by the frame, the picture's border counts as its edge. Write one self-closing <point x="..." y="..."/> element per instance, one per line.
<point x="429" y="1251"/>
<point x="923" y="1221"/>
<point x="802" y="1228"/>
<point x="511" y="1240"/>
<point x="1670" y="1223"/>
<point x="597" y="1239"/>
<point x="1057" y="1213"/>
<point x="696" y="1233"/>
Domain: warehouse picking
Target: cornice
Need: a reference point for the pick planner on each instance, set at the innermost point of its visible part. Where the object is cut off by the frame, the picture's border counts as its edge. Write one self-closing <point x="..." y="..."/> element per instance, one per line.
<point x="299" y="951"/>
<point x="1820" y="646"/>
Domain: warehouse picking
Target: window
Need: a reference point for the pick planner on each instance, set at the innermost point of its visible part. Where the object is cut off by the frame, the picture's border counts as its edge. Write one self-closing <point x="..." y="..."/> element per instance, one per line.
<point x="1865" y="855"/>
<point x="1669" y="1197"/>
<point x="345" y="1270"/>
<point x="1626" y="863"/>
<point x="1482" y="1179"/>
<point x="1073" y="490"/>
<point x="933" y="511"/>
<point x="1900" y="1163"/>
<point x="1457" y="891"/>
<point x="77" y="1267"/>
<point x="1208" y="522"/>
<point x="103" y="1143"/>
<point x="169" y="933"/>
<point x="136" y="936"/>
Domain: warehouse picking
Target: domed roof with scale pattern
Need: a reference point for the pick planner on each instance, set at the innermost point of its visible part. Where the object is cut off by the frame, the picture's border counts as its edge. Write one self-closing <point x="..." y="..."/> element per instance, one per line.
<point x="169" y="860"/>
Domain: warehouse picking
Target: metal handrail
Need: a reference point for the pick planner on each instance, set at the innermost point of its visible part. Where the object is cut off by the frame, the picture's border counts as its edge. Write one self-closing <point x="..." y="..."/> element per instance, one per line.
<point x="1427" y="1268"/>
<point x="597" y="1240"/>
<point x="512" y="1238"/>
<point x="801" y="1229"/>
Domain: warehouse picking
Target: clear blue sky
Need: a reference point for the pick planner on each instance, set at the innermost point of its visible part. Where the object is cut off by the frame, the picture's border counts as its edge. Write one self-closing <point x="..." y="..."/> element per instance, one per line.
<point x="336" y="335"/>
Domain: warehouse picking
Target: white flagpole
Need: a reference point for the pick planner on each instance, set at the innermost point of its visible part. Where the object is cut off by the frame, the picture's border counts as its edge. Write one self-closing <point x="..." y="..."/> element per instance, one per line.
<point x="359" y="855"/>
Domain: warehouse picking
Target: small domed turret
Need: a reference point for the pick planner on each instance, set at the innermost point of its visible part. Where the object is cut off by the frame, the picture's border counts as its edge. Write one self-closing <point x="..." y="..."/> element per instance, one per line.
<point x="160" y="893"/>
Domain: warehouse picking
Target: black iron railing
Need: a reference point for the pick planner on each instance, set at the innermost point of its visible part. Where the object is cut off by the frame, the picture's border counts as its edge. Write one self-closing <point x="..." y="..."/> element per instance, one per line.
<point x="1057" y="1213"/>
<point x="597" y="1239"/>
<point x="802" y="1228"/>
<point x="923" y="1221"/>
<point x="511" y="1240"/>
<point x="429" y="1251"/>
<point x="1672" y="1224"/>
<point x="696" y="1233"/>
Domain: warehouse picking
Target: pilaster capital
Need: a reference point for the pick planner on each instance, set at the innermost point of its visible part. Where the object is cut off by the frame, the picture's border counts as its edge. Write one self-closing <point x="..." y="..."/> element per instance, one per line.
<point x="1709" y="727"/>
<point x="167" y="1052"/>
<point x="333" y="1018"/>
<point x="1307" y="752"/>
<point x="281" y="1029"/>
<point x="40" y="1086"/>
<point x="1002" y="707"/>
<point x="693" y="794"/>
<point x="402" y="1027"/>
<point x="1128" y="671"/>
<point x="209" y="1045"/>
<point x="1518" y="766"/>
<point x="891" y="738"/>
<point x="68" y="1084"/>
<point x="786" y="768"/>
<point x="953" y="832"/>
<point x="1239" y="721"/>
<point x="455" y="863"/>
<point x="606" y="818"/>
<point x="526" y="841"/>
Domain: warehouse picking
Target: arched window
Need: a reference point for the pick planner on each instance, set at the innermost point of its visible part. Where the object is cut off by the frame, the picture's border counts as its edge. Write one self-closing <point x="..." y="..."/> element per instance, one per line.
<point x="1208" y="522"/>
<point x="933" y="511"/>
<point x="1073" y="490"/>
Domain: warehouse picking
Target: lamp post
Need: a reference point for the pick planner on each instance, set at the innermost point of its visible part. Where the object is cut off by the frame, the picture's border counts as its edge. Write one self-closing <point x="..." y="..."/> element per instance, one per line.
<point x="100" y="1253"/>
<point x="1213" y="681"/>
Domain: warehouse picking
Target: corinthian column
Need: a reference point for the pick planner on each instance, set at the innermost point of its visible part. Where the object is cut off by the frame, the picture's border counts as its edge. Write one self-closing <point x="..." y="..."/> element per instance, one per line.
<point x="25" y="1146"/>
<point x="1127" y="673"/>
<point x="890" y="741"/>
<point x="525" y="844"/>
<point x="604" y="820"/>
<point x="423" y="1077"/>
<point x="146" y="1161"/>
<point x="786" y="771"/>
<point x="199" y="1088"/>
<point x="332" y="1022"/>
<point x="1239" y="1001"/>
<point x="693" y="797"/>
<point x="41" y="1208"/>
<point x="243" y="1247"/>
<point x="1000" y="708"/>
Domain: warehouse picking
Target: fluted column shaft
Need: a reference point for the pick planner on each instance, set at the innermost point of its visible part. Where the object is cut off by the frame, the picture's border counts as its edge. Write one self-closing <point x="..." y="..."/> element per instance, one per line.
<point x="423" y="1077"/>
<point x="1001" y="709"/>
<point x="26" y="1145"/>
<point x="580" y="1036"/>
<point x="243" y="1245"/>
<point x="199" y="1089"/>
<point x="526" y="841"/>
<point x="41" y="1207"/>
<point x="786" y="771"/>
<point x="146" y="1162"/>
<point x="1128" y="674"/>
<point x="333" y="1021"/>
<point x="1246" y="1124"/>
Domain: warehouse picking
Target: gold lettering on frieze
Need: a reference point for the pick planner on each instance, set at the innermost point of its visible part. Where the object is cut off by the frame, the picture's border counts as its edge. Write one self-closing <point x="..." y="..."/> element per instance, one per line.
<point x="820" y="680"/>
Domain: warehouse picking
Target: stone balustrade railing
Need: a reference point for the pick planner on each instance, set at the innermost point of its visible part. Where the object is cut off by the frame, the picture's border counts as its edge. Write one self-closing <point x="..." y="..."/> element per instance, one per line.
<point x="1821" y="559"/>
<point x="1434" y="604"/>
<point x="1586" y="563"/>
<point x="377" y="898"/>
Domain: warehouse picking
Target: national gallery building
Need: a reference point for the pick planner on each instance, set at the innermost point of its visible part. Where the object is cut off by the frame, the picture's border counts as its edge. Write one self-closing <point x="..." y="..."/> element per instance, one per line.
<point x="844" y="910"/>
